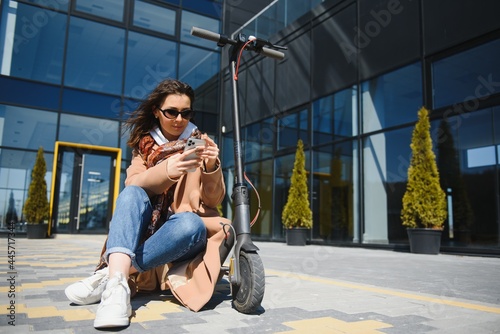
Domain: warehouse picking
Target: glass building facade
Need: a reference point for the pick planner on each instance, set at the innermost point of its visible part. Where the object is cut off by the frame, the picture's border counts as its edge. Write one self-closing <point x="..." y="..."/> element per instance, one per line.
<point x="70" y="73"/>
<point x="353" y="78"/>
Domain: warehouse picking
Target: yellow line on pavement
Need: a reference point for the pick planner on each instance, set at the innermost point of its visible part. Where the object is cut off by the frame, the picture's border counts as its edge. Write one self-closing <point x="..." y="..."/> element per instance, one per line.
<point x="406" y="295"/>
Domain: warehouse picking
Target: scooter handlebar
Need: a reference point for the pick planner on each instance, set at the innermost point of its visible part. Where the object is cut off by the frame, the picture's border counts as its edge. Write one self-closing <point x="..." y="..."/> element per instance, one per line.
<point x="272" y="53"/>
<point x="206" y="34"/>
<point x="218" y="38"/>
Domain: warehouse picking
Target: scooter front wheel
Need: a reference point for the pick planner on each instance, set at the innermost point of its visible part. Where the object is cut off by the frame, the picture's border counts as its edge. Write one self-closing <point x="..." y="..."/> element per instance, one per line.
<point x="248" y="296"/>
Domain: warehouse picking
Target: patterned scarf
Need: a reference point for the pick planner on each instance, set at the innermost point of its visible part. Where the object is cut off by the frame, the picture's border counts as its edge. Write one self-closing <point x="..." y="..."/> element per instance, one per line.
<point x="161" y="203"/>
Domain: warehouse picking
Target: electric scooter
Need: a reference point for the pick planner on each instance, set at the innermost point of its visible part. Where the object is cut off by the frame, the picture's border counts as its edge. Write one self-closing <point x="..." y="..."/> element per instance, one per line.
<point x="246" y="271"/>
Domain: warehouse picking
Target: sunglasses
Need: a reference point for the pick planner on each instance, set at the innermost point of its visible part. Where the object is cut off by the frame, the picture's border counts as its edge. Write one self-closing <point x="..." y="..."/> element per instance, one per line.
<point x="173" y="113"/>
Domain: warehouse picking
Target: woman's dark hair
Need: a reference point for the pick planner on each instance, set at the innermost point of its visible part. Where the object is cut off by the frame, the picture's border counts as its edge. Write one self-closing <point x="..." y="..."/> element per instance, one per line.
<point x="142" y="120"/>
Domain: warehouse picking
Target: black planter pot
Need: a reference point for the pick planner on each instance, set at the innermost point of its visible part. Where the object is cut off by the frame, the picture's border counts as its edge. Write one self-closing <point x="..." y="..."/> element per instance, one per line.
<point x="424" y="240"/>
<point x="36" y="231"/>
<point x="297" y="236"/>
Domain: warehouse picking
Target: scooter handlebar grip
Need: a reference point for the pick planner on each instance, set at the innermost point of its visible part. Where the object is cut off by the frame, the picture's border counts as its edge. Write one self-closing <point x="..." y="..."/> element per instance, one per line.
<point x="211" y="36"/>
<point x="272" y="53"/>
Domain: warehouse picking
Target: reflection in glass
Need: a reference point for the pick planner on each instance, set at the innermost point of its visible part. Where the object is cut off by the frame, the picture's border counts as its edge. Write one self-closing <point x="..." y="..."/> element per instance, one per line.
<point x="477" y="134"/>
<point x="392" y="99"/>
<point x="277" y="16"/>
<point x="467" y="76"/>
<point x="227" y="150"/>
<point x="283" y="172"/>
<point x="197" y="66"/>
<point x="15" y="176"/>
<point x="27" y="128"/>
<point x="149" y="61"/>
<point x="259" y="139"/>
<point x="460" y="217"/>
<point x="334" y="117"/>
<point x="291" y="128"/>
<point x="153" y="17"/>
<point x="94" y="199"/>
<point x="95" y="56"/>
<point x="207" y="7"/>
<point x="59" y="4"/>
<point x="90" y="131"/>
<point x="386" y="159"/>
<point x="334" y="193"/>
<point x="260" y="174"/>
<point x="190" y="20"/>
<point x="33" y="43"/>
<point x="63" y="218"/>
<point x="108" y="9"/>
<point x="82" y="201"/>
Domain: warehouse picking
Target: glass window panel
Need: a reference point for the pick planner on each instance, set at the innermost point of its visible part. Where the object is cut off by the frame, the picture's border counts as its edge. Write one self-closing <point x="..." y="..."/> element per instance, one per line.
<point x="386" y="159"/>
<point x="482" y="156"/>
<point x="206" y="122"/>
<point x="155" y="18"/>
<point x="197" y="66"/>
<point x="129" y="105"/>
<point x="278" y="16"/>
<point x="190" y="20"/>
<point x="470" y="75"/>
<point x="109" y="9"/>
<point x="260" y="174"/>
<point x="268" y="23"/>
<point x="259" y="140"/>
<point x="15" y="177"/>
<point x="12" y="209"/>
<point x="334" y="117"/>
<point x="95" y="56"/>
<point x="333" y="192"/>
<point x="57" y="5"/>
<point x="32" y="42"/>
<point x="149" y="61"/>
<point x="291" y="128"/>
<point x="40" y="95"/>
<point x="126" y="150"/>
<point x="473" y="177"/>
<point x="174" y="2"/>
<point x="392" y="99"/>
<point x="27" y="128"/>
<point x="207" y="7"/>
<point x="227" y="150"/>
<point x="90" y="103"/>
<point x="89" y="131"/>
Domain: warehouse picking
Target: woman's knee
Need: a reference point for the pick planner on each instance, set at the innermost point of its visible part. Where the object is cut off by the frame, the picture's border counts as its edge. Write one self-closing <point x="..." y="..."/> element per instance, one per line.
<point x="193" y="224"/>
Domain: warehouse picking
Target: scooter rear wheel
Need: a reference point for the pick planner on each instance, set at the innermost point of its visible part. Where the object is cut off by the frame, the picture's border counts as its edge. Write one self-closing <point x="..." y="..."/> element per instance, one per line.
<point x="248" y="296"/>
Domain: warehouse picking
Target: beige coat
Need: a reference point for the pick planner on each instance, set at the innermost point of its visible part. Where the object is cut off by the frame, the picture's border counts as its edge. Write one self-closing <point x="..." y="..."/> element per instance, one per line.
<point x="191" y="283"/>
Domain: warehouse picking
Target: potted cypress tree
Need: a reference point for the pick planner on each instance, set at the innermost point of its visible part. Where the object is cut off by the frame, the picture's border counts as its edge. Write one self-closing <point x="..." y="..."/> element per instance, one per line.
<point x="297" y="215"/>
<point x="424" y="202"/>
<point x="36" y="207"/>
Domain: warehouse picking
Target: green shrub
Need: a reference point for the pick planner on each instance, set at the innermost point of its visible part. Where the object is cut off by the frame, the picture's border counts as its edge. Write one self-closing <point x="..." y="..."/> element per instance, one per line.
<point x="36" y="207"/>
<point x="424" y="202"/>
<point x="297" y="212"/>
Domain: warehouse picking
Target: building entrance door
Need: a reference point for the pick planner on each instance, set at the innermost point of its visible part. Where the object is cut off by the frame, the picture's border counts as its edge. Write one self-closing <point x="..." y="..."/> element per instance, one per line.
<point x="84" y="188"/>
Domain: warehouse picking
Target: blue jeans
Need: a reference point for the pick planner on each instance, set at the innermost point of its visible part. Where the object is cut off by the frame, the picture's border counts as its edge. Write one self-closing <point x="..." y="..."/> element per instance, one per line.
<point x="181" y="237"/>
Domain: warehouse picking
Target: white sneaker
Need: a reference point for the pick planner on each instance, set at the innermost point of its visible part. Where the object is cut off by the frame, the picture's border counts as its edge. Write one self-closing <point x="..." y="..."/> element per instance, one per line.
<point x="89" y="290"/>
<point x="114" y="309"/>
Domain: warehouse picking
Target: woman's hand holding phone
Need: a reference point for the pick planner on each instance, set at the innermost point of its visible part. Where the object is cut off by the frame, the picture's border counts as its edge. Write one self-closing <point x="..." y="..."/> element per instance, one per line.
<point x="194" y="147"/>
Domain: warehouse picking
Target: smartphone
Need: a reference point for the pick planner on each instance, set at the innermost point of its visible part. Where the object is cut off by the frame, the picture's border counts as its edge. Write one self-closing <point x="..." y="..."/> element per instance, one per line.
<point x="192" y="143"/>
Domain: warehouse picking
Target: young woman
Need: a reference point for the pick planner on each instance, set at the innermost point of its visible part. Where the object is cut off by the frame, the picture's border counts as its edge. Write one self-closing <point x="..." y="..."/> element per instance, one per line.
<point x="165" y="225"/>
